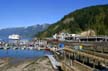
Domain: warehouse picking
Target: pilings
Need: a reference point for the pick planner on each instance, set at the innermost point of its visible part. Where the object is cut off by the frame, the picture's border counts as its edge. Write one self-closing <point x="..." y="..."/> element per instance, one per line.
<point x="90" y="60"/>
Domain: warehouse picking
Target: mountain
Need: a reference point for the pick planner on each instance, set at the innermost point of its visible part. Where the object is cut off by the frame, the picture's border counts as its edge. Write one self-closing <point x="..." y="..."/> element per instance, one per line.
<point x="90" y="18"/>
<point x="25" y="32"/>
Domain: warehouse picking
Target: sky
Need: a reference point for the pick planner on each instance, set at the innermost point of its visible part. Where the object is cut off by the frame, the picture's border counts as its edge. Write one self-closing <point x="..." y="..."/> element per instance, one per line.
<point x="19" y="13"/>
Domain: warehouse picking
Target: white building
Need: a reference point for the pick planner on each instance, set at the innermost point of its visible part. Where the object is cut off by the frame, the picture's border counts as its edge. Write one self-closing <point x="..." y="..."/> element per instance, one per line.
<point x="55" y="36"/>
<point x="65" y="36"/>
<point x="40" y="43"/>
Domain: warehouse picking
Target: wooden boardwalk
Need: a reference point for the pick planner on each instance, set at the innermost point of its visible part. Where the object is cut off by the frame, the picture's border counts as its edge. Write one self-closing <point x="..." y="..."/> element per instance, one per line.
<point x="53" y="61"/>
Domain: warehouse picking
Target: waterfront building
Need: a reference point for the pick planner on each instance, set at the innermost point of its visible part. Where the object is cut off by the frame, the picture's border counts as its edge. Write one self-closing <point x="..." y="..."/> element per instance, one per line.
<point x="75" y="37"/>
<point x="65" y="36"/>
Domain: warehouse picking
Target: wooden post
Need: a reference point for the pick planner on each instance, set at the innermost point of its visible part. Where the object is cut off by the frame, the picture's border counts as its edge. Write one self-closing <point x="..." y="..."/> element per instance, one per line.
<point x="94" y="63"/>
<point x="88" y="60"/>
<point x="83" y="59"/>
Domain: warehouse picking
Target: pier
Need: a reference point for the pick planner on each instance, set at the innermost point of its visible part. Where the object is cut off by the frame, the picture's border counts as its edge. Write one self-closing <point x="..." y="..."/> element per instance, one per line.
<point x="83" y="56"/>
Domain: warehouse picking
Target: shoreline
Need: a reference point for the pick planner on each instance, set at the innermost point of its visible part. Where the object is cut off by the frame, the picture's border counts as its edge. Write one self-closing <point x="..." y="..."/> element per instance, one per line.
<point x="38" y="64"/>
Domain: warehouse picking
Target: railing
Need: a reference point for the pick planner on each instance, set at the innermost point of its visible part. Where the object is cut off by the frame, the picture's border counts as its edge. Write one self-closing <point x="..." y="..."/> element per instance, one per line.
<point x="66" y="67"/>
<point x="81" y="66"/>
<point x="77" y="66"/>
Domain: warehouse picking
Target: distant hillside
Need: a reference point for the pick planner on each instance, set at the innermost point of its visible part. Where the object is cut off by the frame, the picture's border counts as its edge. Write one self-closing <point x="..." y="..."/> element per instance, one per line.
<point x="25" y="32"/>
<point x="94" y="18"/>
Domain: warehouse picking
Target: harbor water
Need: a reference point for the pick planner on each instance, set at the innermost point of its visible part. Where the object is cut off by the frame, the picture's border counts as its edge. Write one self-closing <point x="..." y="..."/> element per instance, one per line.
<point x="22" y="54"/>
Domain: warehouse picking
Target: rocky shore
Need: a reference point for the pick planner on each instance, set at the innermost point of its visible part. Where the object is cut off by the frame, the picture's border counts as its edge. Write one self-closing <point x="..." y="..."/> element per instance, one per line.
<point x="40" y="64"/>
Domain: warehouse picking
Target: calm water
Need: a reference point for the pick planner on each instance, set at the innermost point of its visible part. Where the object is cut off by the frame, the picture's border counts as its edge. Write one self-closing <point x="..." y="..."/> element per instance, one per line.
<point x="22" y="53"/>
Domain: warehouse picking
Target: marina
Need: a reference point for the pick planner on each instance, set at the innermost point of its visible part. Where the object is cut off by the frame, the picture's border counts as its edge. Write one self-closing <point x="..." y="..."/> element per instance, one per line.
<point x="63" y="54"/>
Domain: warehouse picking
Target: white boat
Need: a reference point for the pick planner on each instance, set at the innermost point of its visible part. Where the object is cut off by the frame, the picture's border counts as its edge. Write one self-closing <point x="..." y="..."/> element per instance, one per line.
<point x="14" y="48"/>
<point x="31" y="48"/>
<point x="5" y="48"/>
<point x="22" y="48"/>
<point x="14" y="36"/>
<point x="38" y="48"/>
